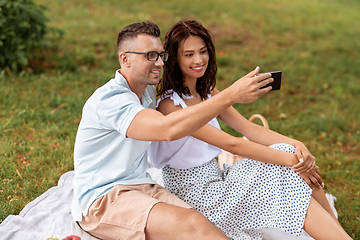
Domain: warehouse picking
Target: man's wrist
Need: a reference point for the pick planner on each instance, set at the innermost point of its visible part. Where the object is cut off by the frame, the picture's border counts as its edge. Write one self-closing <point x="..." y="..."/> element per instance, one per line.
<point x="227" y="96"/>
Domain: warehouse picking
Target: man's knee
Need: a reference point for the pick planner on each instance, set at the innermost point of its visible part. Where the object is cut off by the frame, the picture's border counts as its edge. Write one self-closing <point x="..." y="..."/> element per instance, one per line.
<point x="166" y="221"/>
<point x="196" y="223"/>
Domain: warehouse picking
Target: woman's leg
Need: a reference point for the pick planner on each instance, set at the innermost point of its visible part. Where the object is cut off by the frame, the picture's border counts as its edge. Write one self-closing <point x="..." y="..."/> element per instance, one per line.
<point x="319" y="195"/>
<point x="320" y="225"/>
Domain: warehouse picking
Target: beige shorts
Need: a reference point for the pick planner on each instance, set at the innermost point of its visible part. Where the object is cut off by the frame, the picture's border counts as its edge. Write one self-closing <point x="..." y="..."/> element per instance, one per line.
<point x="122" y="212"/>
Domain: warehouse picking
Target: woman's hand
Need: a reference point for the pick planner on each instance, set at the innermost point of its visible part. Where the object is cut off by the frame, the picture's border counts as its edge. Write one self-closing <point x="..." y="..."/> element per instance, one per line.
<point x="313" y="178"/>
<point x="306" y="159"/>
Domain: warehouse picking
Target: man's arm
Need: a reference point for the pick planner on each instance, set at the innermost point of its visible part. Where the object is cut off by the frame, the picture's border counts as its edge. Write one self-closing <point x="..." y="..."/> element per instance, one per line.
<point x="151" y="125"/>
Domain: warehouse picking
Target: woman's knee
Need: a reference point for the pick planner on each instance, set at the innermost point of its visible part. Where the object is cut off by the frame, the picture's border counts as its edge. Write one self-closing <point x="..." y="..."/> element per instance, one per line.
<point x="283" y="147"/>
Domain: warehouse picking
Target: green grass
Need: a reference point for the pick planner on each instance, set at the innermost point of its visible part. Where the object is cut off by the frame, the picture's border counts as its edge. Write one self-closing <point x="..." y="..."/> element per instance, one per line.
<point x="315" y="44"/>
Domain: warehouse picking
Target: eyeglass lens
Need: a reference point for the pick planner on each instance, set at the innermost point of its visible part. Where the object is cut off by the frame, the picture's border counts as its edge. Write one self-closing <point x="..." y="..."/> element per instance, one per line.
<point x="154" y="56"/>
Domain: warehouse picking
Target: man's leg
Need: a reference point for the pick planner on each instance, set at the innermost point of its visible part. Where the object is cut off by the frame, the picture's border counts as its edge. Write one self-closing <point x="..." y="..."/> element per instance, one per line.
<point x="167" y="221"/>
<point x="146" y="211"/>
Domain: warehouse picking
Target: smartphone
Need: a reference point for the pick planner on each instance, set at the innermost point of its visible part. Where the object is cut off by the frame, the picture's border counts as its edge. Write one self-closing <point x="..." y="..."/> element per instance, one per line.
<point x="276" y="84"/>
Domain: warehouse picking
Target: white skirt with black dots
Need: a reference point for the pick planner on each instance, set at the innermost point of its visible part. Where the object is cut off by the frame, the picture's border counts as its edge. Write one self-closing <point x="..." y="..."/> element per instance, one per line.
<point x="244" y="197"/>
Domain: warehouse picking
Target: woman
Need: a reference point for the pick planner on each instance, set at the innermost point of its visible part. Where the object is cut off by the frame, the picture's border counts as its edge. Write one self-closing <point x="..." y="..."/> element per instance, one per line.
<point x="251" y="194"/>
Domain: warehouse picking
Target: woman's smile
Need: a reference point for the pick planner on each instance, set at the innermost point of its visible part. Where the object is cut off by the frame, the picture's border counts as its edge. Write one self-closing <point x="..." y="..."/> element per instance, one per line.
<point x="198" y="68"/>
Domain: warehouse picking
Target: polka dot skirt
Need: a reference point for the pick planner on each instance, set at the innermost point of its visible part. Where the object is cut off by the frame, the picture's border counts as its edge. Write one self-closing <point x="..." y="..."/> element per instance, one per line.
<point x="244" y="197"/>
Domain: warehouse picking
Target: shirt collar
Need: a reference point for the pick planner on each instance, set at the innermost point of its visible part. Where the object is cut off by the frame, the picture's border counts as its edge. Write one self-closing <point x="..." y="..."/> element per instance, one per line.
<point x="146" y="99"/>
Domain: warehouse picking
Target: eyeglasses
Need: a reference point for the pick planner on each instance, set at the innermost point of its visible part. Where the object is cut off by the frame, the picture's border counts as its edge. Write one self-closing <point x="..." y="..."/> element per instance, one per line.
<point x="154" y="56"/>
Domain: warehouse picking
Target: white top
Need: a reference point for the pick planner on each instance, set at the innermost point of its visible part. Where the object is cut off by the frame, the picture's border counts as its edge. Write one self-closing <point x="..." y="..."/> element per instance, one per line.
<point x="103" y="155"/>
<point x="186" y="152"/>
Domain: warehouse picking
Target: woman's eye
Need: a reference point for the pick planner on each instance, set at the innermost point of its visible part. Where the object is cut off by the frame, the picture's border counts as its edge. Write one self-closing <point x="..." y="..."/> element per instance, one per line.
<point x="204" y="51"/>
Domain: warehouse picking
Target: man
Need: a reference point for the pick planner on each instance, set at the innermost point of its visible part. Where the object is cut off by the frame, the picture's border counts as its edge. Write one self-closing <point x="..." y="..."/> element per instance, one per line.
<point x="114" y="197"/>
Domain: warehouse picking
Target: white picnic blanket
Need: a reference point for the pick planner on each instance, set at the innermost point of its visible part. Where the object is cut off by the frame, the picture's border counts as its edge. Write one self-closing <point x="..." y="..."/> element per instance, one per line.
<point x="49" y="216"/>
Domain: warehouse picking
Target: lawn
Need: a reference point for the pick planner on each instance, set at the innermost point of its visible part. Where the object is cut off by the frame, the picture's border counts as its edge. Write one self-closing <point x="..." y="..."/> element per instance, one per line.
<point x="315" y="43"/>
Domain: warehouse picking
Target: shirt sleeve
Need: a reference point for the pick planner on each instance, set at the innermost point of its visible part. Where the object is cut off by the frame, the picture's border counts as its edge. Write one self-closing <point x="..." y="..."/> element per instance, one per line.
<point x="117" y="109"/>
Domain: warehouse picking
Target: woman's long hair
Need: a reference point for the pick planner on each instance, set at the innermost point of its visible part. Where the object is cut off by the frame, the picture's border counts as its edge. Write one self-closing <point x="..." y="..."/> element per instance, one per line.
<point x="172" y="76"/>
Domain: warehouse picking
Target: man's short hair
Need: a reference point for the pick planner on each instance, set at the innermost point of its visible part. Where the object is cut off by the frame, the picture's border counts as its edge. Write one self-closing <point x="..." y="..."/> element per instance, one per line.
<point x="133" y="30"/>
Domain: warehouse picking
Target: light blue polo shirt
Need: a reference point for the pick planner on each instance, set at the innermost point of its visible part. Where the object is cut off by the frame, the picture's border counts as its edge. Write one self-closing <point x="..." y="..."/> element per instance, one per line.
<point x="103" y="155"/>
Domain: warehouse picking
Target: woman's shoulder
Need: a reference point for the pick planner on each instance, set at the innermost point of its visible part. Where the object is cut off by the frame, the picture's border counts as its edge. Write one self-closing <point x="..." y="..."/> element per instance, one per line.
<point x="166" y="106"/>
<point x="214" y="91"/>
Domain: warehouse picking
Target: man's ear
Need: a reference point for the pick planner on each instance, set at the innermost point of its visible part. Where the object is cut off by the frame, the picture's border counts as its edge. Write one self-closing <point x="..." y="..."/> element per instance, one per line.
<point x="124" y="59"/>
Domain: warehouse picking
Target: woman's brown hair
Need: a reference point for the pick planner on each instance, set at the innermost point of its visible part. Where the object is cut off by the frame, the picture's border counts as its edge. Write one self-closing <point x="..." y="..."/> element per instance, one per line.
<point x="172" y="76"/>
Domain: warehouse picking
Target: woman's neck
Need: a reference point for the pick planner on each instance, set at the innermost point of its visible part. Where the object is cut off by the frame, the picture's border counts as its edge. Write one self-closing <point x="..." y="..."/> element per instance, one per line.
<point x="191" y="85"/>
<point x="195" y="99"/>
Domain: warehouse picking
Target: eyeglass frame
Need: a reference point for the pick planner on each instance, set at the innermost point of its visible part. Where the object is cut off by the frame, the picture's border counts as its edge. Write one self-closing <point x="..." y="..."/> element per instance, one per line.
<point x="164" y="56"/>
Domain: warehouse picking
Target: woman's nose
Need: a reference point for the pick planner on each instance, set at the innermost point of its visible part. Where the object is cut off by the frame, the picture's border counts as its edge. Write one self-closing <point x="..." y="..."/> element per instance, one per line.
<point x="198" y="58"/>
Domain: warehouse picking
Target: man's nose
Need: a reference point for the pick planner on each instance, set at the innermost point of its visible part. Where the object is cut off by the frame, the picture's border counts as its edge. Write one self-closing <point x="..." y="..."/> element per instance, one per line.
<point x="159" y="62"/>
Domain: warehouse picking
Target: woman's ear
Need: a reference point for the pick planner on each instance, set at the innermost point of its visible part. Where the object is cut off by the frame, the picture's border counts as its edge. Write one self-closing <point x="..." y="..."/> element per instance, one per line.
<point x="124" y="59"/>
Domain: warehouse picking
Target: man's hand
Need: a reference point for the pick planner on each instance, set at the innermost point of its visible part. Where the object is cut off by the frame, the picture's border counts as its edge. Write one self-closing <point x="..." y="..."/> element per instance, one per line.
<point x="247" y="89"/>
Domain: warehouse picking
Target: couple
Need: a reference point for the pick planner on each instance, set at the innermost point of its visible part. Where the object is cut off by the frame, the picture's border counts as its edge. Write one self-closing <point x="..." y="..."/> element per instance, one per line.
<point x="115" y="198"/>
